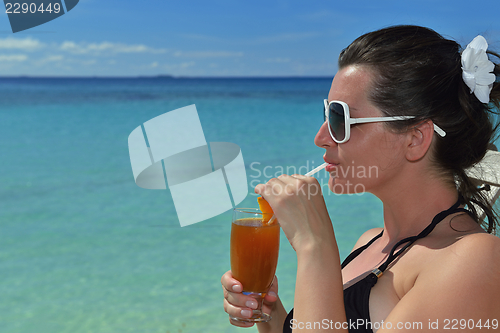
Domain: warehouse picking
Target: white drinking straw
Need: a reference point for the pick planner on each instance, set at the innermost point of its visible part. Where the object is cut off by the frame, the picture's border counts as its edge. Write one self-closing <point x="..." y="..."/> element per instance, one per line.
<point x="315" y="170"/>
<point x="310" y="173"/>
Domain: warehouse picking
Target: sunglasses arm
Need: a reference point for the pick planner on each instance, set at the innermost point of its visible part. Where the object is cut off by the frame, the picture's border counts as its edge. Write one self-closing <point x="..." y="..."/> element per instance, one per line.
<point x="437" y="129"/>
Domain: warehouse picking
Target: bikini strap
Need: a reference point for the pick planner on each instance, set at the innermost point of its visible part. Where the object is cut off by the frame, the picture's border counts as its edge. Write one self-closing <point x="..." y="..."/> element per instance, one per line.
<point x="356" y="252"/>
<point x="410" y="240"/>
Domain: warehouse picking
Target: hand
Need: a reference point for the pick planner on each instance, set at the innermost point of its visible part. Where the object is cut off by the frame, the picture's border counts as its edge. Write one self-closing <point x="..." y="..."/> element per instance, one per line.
<point x="238" y="305"/>
<point x="299" y="206"/>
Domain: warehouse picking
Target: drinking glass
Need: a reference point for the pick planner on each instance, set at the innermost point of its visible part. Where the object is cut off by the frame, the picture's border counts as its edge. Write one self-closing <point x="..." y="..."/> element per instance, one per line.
<point x="254" y="256"/>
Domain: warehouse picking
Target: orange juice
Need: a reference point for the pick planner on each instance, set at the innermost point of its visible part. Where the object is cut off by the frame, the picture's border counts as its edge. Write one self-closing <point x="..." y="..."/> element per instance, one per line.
<point x="254" y="253"/>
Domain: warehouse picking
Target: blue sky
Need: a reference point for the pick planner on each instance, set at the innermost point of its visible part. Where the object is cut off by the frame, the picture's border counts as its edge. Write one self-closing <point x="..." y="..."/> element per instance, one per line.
<point x="223" y="37"/>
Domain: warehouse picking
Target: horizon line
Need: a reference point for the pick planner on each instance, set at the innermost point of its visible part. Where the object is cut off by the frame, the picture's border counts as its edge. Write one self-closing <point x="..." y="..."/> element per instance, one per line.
<point x="165" y="76"/>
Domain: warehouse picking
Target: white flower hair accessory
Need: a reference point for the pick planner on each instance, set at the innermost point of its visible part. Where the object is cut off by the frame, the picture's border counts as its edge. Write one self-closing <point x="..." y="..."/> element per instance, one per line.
<point x="476" y="69"/>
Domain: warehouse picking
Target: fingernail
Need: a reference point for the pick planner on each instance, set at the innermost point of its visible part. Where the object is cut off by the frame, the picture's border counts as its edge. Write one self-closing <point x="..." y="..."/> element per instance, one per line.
<point x="237" y="288"/>
<point x="246" y="313"/>
<point x="251" y="304"/>
<point x="272" y="293"/>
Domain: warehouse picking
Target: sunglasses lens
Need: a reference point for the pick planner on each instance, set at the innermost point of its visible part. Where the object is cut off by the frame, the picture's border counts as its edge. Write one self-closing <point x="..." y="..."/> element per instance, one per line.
<point x="336" y="120"/>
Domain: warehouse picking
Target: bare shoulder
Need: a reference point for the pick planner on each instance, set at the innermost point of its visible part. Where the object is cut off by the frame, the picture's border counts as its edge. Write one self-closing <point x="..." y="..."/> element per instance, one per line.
<point x="474" y="257"/>
<point x="477" y="243"/>
<point x="476" y="249"/>
<point x="366" y="237"/>
<point x="461" y="280"/>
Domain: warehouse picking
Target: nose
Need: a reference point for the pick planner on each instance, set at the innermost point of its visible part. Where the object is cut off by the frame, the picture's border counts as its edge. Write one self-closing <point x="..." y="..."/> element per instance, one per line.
<point x="323" y="138"/>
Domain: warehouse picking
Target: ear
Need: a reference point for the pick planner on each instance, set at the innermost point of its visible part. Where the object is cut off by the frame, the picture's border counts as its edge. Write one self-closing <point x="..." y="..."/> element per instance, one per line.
<point x="419" y="140"/>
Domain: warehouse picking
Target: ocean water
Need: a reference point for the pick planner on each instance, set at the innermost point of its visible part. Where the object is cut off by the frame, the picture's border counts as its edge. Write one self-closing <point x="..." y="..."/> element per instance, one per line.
<point x="84" y="249"/>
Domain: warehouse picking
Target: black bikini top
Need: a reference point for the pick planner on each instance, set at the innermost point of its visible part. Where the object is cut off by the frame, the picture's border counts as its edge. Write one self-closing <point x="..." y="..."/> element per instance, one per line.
<point x="357" y="296"/>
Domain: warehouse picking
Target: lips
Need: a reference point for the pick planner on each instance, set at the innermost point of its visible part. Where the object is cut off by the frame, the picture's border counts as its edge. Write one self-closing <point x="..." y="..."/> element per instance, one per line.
<point x="331" y="165"/>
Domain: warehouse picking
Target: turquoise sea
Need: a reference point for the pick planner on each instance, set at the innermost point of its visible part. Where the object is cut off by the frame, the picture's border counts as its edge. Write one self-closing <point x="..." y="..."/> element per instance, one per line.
<point x="83" y="249"/>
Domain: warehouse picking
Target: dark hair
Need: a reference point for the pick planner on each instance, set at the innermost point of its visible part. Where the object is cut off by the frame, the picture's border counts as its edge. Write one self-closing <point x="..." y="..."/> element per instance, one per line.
<point x="417" y="72"/>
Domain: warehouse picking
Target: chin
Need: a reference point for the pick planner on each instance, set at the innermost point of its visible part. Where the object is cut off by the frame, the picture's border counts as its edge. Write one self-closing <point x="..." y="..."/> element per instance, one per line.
<point x="345" y="186"/>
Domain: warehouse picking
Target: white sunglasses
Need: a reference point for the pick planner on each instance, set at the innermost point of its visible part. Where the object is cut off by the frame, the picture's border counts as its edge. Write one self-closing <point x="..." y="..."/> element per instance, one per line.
<point x="339" y="121"/>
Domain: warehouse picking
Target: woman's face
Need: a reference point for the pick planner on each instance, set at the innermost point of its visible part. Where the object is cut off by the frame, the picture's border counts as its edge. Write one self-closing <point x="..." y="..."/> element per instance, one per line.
<point x="372" y="155"/>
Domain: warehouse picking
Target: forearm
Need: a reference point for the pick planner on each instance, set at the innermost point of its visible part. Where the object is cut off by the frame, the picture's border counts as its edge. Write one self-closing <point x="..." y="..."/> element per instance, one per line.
<point x="318" y="292"/>
<point x="275" y="325"/>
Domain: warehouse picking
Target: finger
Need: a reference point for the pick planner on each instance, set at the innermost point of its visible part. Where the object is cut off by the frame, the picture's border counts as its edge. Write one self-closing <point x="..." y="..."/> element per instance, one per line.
<point x="274" y="285"/>
<point x="293" y="179"/>
<point x="276" y="186"/>
<point x="271" y="297"/>
<point x="268" y="307"/>
<point x="232" y="290"/>
<point x="301" y="176"/>
<point x="305" y="178"/>
<point x="259" y="189"/>
<point x="269" y="188"/>
<point x="236" y="311"/>
<point x="272" y="294"/>
<point x="307" y="185"/>
<point x="241" y="300"/>
<point x="231" y="284"/>
<point x="233" y="318"/>
<point x="297" y="180"/>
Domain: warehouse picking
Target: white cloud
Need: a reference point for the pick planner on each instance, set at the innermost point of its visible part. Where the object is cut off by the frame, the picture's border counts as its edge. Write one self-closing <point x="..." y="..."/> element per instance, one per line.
<point x="26" y="44"/>
<point x="208" y="54"/>
<point x="108" y="47"/>
<point x="54" y="58"/>
<point x="51" y="58"/>
<point x="13" y="57"/>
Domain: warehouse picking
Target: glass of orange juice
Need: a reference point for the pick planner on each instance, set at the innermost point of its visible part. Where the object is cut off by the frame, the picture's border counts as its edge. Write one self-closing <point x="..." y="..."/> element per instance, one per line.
<point x="254" y="255"/>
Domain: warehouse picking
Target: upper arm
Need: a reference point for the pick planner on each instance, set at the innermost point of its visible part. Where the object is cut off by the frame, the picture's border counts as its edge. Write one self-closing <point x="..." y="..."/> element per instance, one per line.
<point x="464" y="284"/>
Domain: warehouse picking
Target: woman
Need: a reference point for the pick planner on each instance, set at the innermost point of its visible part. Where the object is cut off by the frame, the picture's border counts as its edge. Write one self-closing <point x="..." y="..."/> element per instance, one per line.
<point x="433" y="265"/>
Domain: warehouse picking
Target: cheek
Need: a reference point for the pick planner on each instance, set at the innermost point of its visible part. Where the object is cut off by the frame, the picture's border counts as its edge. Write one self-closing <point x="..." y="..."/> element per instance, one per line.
<point x="370" y="159"/>
<point x="376" y="144"/>
<point x="383" y="162"/>
<point x="354" y="178"/>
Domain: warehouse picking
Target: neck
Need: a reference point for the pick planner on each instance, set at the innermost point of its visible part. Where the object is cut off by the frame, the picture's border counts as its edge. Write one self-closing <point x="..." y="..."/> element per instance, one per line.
<point x="411" y="204"/>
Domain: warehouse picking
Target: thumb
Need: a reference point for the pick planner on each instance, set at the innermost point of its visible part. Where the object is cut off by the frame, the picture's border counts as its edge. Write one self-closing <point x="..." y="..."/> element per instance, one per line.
<point x="272" y="294"/>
